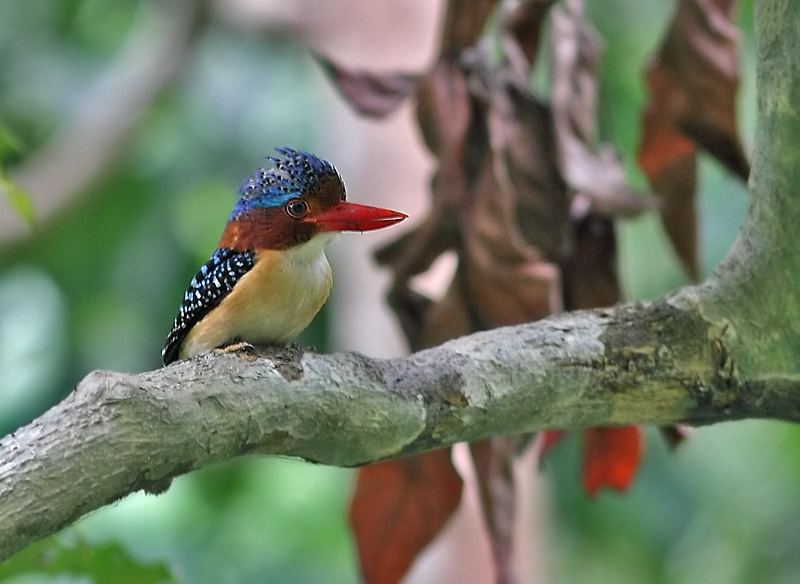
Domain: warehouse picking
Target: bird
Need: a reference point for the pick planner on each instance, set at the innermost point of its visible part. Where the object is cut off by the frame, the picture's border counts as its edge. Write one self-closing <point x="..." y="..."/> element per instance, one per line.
<point x="269" y="276"/>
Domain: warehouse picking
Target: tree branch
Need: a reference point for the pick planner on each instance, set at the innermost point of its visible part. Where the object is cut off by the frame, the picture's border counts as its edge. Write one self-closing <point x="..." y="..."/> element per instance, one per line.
<point x="654" y="363"/>
<point x="721" y="351"/>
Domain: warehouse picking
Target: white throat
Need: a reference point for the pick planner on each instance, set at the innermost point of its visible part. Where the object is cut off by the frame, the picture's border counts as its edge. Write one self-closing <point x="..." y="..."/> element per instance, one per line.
<point x="311" y="250"/>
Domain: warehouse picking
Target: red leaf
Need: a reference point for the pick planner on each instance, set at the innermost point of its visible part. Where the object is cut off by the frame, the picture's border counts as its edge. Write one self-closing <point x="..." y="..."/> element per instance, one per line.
<point x="370" y="94"/>
<point x="610" y="457"/>
<point x="398" y="507"/>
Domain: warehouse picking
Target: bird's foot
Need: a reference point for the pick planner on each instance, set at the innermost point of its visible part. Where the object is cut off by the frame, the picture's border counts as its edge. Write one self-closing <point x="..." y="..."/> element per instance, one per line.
<point x="242" y="349"/>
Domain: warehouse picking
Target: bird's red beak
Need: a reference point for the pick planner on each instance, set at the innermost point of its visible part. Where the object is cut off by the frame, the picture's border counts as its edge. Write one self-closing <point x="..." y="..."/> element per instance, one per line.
<point x="346" y="216"/>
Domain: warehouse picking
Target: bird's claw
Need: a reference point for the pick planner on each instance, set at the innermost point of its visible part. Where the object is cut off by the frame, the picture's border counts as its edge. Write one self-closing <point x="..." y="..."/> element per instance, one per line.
<point x="243" y="349"/>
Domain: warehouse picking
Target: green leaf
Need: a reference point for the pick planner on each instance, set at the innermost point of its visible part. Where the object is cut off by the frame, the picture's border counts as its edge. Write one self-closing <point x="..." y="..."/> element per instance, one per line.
<point x="107" y="562"/>
<point x="19" y="199"/>
<point x="9" y="143"/>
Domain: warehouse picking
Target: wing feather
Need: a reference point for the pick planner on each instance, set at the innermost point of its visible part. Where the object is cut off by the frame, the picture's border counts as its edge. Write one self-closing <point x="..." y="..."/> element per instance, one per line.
<point x="210" y="285"/>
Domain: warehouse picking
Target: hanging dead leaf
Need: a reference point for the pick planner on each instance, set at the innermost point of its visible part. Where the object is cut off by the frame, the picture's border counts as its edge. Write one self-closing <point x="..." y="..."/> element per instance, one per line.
<point x="511" y="173"/>
<point x="699" y="54"/>
<point x="494" y="469"/>
<point x="521" y="30"/>
<point x="374" y="95"/>
<point x="398" y="507"/>
<point x="692" y="83"/>
<point x="590" y="169"/>
<point x="590" y="273"/>
<point x="464" y="21"/>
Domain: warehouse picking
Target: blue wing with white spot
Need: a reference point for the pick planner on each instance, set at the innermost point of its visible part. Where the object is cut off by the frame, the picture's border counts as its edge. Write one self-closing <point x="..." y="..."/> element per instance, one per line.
<point x="207" y="289"/>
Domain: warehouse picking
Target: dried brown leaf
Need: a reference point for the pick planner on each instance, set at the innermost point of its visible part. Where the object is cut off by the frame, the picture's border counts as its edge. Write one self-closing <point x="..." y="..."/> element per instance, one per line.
<point x="526" y="172"/>
<point x="675" y="184"/>
<point x="521" y="32"/>
<point x="590" y="273"/>
<point x="692" y="84"/>
<point x="464" y="21"/>
<point x="669" y="160"/>
<point x="508" y="170"/>
<point x="370" y="94"/>
<point x="494" y="469"/>
<point x="508" y="282"/>
<point x="699" y="59"/>
<point x="592" y="170"/>
<point x="398" y="507"/>
<point x="443" y="115"/>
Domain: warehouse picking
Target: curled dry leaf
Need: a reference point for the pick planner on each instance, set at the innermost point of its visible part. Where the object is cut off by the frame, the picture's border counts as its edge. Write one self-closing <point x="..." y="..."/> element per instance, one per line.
<point x="700" y="55"/>
<point x="501" y="204"/>
<point x="370" y="94"/>
<point x="592" y="170"/>
<point x="692" y="83"/>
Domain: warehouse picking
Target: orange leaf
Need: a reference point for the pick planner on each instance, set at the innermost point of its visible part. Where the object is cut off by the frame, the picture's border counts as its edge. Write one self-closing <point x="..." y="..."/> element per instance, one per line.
<point x="610" y="457"/>
<point x="398" y="507"/>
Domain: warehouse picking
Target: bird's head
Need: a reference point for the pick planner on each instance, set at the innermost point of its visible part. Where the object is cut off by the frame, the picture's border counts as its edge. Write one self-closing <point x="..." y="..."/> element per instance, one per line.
<point x="293" y="200"/>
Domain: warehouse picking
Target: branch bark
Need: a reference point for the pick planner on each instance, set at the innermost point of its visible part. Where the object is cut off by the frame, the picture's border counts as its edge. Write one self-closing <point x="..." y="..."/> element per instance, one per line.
<point x="724" y="350"/>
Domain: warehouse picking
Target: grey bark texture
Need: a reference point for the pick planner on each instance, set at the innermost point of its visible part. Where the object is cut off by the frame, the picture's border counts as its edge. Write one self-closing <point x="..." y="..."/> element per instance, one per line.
<point x="725" y="350"/>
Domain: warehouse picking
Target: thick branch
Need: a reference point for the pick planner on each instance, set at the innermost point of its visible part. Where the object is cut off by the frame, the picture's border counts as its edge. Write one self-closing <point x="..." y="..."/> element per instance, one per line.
<point x="654" y="363"/>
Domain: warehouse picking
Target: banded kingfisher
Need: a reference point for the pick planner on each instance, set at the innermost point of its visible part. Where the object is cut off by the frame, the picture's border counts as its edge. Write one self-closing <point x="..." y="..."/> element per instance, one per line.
<point x="269" y="276"/>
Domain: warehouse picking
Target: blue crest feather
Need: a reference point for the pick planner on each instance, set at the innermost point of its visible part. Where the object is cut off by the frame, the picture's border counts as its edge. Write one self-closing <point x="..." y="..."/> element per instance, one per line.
<point x="292" y="174"/>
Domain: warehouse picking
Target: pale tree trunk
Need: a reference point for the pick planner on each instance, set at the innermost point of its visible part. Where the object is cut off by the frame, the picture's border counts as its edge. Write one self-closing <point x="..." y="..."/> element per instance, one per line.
<point x="727" y="349"/>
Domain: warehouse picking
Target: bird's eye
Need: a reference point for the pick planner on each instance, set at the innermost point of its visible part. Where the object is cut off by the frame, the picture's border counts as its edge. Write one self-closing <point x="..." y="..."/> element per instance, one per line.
<point x="297" y="208"/>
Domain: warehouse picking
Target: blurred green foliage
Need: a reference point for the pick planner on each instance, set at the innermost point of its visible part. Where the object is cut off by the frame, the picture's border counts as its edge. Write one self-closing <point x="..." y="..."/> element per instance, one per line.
<point x="77" y="561"/>
<point x="98" y="285"/>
